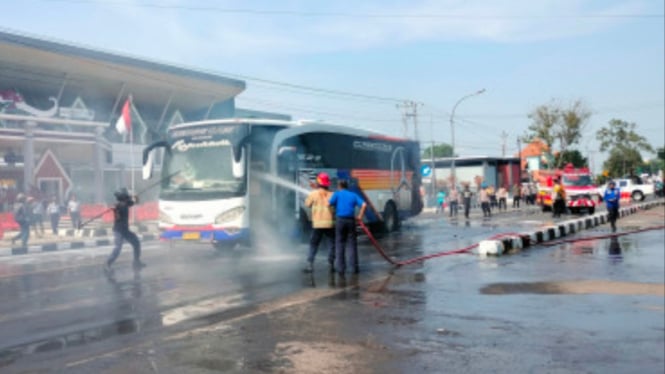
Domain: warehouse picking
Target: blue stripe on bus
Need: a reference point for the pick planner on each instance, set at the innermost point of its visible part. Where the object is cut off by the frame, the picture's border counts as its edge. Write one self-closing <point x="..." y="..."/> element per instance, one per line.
<point x="216" y="235"/>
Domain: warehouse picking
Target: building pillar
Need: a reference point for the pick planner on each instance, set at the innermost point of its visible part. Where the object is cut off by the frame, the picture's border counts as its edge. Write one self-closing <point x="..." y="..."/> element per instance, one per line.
<point x="29" y="155"/>
<point x="99" y="165"/>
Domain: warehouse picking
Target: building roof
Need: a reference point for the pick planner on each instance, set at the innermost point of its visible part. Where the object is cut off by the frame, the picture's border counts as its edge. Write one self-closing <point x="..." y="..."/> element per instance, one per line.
<point x="469" y="160"/>
<point x="41" y="65"/>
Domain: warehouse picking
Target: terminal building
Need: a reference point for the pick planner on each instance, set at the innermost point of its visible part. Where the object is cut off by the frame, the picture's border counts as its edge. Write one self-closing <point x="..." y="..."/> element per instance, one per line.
<point x="496" y="171"/>
<point x="59" y="103"/>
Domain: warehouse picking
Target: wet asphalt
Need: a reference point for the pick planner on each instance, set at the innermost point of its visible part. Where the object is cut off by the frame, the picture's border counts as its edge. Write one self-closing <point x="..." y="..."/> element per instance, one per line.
<point x="593" y="306"/>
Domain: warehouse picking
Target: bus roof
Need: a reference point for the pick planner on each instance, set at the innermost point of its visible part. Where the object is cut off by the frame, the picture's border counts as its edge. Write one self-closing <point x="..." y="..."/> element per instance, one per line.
<point x="229" y="121"/>
<point x="296" y="127"/>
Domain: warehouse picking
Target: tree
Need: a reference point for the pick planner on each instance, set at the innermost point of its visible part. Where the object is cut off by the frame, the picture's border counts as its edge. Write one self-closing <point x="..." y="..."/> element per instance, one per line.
<point x="440" y="150"/>
<point x="622" y="162"/>
<point x="553" y="123"/>
<point x="572" y="156"/>
<point x="660" y="152"/>
<point x="624" y="144"/>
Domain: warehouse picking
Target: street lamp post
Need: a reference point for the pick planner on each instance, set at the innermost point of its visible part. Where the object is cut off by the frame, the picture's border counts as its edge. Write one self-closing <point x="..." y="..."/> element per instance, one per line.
<point x="452" y="131"/>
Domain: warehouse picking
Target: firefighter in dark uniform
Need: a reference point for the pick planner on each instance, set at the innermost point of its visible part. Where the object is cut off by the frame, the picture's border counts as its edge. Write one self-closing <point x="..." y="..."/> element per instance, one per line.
<point x="121" y="230"/>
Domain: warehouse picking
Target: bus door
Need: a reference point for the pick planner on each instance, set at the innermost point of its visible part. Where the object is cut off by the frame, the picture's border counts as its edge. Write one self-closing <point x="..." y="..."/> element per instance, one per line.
<point x="398" y="179"/>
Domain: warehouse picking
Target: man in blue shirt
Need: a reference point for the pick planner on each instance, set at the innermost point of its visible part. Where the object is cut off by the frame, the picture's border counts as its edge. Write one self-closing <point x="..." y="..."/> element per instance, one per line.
<point x="345" y="203"/>
<point x="612" y="197"/>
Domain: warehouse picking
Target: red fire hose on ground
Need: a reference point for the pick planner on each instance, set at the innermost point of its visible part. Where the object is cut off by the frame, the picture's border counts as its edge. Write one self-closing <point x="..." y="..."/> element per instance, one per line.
<point x="383" y="254"/>
<point x="469" y="248"/>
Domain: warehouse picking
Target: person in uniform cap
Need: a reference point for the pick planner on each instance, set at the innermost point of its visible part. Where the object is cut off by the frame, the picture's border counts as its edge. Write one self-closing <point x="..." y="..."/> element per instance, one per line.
<point x="323" y="223"/>
<point x="121" y="230"/>
<point x="612" y="196"/>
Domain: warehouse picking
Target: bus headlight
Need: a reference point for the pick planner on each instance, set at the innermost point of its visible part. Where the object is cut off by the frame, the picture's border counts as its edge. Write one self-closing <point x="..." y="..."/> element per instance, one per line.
<point x="165" y="218"/>
<point x="230" y="215"/>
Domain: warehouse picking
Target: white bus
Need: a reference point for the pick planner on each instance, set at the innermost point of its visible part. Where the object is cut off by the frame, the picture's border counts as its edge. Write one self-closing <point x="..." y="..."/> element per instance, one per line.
<point x="226" y="178"/>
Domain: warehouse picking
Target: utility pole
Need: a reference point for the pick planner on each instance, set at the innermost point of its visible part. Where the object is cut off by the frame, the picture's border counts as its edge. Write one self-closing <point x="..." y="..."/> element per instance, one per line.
<point x="452" y="131"/>
<point x="409" y="110"/>
<point x="415" y="119"/>
<point x="519" y="154"/>
<point x="590" y="153"/>
<point x="405" y="125"/>
<point x="433" y="177"/>
<point x="504" y="136"/>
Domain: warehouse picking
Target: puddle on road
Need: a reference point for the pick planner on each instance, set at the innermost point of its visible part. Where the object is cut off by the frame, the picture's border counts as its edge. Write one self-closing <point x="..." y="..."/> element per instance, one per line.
<point x="74" y="339"/>
<point x="575" y="287"/>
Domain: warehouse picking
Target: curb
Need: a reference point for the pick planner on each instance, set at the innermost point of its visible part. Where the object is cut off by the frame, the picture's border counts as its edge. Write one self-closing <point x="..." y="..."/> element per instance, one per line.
<point x="53" y="247"/>
<point x="514" y="243"/>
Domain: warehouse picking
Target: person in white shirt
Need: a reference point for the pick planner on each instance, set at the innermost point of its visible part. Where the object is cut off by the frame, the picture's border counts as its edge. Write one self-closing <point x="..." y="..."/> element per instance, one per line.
<point x="74" y="207"/>
<point x="454" y="201"/>
<point x="484" y="200"/>
<point x="53" y="211"/>
<point x="502" y="194"/>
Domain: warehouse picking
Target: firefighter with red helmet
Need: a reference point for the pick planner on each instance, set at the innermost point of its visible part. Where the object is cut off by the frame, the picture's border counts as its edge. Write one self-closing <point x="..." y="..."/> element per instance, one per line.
<point x="323" y="222"/>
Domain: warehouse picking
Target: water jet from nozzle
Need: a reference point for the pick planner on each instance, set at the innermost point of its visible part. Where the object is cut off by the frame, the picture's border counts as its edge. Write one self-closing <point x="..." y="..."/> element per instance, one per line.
<point x="282" y="183"/>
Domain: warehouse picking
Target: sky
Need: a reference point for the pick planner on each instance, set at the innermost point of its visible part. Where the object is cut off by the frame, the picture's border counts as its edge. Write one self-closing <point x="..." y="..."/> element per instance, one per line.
<point x="376" y="54"/>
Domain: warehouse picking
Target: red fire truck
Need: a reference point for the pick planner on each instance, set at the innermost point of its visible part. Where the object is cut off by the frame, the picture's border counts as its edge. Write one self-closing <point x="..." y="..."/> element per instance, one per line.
<point x="581" y="193"/>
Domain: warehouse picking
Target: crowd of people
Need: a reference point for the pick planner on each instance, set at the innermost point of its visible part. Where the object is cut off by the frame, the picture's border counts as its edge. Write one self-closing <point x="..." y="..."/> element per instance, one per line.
<point x="487" y="197"/>
<point x="30" y="212"/>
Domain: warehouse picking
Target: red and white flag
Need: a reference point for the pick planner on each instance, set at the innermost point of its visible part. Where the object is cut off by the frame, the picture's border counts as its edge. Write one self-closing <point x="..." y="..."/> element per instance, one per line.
<point x="124" y="124"/>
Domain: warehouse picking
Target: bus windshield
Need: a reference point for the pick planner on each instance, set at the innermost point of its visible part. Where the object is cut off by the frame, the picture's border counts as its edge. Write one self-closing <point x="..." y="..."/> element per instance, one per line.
<point x="577" y="180"/>
<point x="200" y="172"/>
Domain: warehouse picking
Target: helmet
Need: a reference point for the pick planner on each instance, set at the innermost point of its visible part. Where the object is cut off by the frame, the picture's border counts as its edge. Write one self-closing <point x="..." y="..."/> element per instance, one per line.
<point x="121" y="194"/>
<point x="323" y="180"/>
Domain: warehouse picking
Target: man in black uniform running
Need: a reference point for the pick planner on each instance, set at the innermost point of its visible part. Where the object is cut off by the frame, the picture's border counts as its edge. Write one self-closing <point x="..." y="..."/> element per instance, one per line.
<point x="121" y="230"/>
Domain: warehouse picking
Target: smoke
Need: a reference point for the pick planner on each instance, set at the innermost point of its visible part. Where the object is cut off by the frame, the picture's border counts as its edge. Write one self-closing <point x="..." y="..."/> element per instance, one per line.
<point x="275" y="234"/>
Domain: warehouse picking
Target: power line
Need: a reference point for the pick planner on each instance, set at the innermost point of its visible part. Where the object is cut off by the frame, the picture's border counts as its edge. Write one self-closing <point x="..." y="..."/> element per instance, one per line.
<point x="309" y="110"/>
<point x="273" y="87"/>
<point x="321" y="14"/>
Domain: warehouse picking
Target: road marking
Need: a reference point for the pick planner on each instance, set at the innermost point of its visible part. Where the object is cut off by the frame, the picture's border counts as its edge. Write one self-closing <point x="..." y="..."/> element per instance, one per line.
<point x="202" y="308"/>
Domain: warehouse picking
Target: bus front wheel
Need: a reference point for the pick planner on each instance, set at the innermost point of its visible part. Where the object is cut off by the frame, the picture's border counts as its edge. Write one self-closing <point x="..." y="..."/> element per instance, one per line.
<point x="390" y="218"/>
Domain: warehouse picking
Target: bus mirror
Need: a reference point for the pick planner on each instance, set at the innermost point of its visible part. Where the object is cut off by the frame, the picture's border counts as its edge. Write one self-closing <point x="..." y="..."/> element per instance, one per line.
<point x="147" y="166"/>
<point x="239" y="166"/>
<point x="148" y="157"/>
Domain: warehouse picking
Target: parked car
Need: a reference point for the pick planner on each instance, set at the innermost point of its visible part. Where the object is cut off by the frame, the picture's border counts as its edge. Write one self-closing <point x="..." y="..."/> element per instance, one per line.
<point x="632" y="188"/>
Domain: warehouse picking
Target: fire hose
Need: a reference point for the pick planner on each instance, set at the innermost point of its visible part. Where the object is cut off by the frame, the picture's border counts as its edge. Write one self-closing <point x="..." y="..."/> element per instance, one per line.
<point x="155" y="184"/>
<point x="413" y="260"/>
<point x="469" y="248"/>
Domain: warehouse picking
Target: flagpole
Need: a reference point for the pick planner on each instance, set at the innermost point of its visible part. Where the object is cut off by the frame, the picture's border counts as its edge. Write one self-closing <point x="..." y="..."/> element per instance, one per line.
<point x="131" y="155"/>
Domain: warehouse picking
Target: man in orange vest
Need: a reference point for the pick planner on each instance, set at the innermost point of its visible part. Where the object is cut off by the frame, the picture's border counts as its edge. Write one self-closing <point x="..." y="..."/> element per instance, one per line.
<point x="558" y="199"/>
<point x="323" y="222"/>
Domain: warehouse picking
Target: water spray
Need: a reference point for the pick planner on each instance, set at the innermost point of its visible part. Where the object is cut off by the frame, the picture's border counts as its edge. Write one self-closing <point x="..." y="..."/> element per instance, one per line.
<point x="282" y="182"/>
<point x="149" y="187"/>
